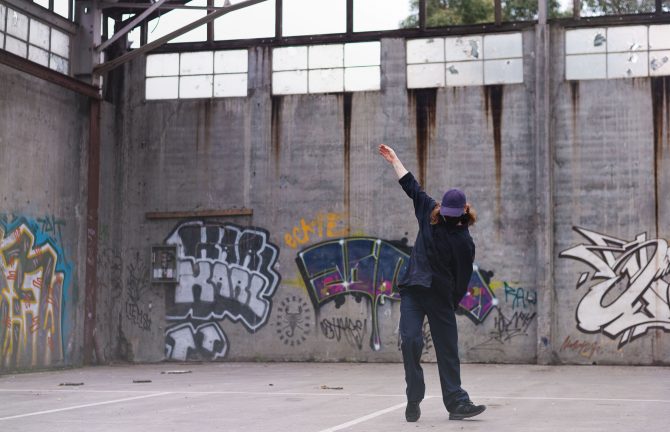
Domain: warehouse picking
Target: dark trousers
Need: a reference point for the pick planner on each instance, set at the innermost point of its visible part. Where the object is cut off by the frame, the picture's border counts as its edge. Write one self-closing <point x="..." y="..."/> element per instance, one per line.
<point x="415" y="304"/>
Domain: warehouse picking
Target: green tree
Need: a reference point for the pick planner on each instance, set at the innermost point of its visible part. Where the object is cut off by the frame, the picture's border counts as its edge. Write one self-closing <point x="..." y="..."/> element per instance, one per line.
<point x="441" y="13"/>
<point x="617" y="7"/>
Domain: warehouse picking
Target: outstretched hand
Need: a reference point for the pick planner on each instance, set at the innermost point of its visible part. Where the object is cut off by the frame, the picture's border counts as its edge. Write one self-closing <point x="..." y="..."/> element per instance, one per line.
<point x="390" y="156"/>
<point x="387" y="153"/>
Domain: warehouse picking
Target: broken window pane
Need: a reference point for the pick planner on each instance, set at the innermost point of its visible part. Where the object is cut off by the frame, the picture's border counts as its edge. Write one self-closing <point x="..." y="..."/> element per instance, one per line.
<point x="173" y="20"/>
<point x="196" y="63"/>
<point x="257" y="21"/>
<point x="39" y="34"/>
<point x="625" y="7"/>
<point x="627" y="65"/>
<point x="307" y="17"/>
<point x="230" y="85"/>
<point x="17" y="25"/>
<point x="466" y="73"/>
<point x="627" y="39"/>
<point x="464" y="48"/>
<point x="659" y="63"/>
<point x="38" y="56"/>
<point x="586" y="41"/>
<point x="231" y="61"/>
<point x="375" y="15"/>
<point x="162" y="65"/>
<point x="162" y="88"/>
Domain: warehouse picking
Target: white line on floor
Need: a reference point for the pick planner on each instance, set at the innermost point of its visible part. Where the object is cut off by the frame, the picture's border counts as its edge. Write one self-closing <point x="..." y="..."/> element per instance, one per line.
<point x="83" y="406"/>
<point x="580" y="399"/>
<point x="364" y="418"/>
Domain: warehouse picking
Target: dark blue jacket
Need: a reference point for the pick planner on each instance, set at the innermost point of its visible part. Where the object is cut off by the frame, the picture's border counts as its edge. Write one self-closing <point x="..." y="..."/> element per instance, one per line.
<point x="442" y="255"/>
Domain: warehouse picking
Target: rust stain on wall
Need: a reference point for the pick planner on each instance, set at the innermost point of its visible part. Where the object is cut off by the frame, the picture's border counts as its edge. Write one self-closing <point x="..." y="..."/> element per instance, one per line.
<point x="346" y="114"/>
<point x="275" y="130"/>
<point x="423" y="102"/>
<point x="574" y="94"/>
<point x="494" y="108"/>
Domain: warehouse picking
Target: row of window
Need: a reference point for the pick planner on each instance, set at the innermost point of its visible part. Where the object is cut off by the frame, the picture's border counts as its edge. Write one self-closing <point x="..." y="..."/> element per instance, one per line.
<point x="32" y="39"/>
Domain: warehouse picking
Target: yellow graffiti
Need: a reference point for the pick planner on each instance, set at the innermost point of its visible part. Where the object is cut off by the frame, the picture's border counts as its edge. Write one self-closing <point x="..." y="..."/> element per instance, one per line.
<point x="29" y="293"/>
<point x="323" y="226"/>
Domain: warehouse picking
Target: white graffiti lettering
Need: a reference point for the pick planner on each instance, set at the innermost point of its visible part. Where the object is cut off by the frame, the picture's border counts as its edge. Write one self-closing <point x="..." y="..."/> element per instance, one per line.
<point x="640" y="265"/>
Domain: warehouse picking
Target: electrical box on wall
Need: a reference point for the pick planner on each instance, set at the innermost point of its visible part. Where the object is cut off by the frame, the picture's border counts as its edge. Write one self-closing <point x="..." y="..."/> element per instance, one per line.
<point x="164" y="264"/>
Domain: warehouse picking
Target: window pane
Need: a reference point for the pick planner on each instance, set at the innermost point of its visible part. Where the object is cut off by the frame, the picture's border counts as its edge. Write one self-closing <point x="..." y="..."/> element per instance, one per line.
<point x="60" y="43"/>
<point x="39" y="34"/>
<point x="371" y="15"/>
<point x="257" y="21"/>
<point x="362" y="78"/>
<point x="289" y="82"/>
<point x="231" y="61"/>
<point x="230" y="85"/>
<point x="43" y="3"/>
<point x="306" y="17"/>
<point x="61" y="7"/>
<point x="196" y="86"/>
<point x="176" y="19"/>
<point x="196" y="63"/>
<point x="666" y="5"/>
<point x="162" y="88"/>
<point x="611" y="7"/>
<point x="17" y="25"/>
<point x="162" y="65"/>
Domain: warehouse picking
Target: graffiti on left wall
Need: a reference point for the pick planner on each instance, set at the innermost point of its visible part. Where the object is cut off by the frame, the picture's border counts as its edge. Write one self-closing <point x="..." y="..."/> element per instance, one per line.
<point x="629" y="294"/>
<point x="225" y="272"/>
<point x="34" y="280"/>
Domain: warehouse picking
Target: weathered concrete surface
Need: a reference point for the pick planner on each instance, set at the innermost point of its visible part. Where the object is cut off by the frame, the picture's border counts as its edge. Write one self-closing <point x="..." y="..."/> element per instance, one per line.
<point x="307" y="166"/>
<point x="43" y="151"/>
<point x="291" y="397"/>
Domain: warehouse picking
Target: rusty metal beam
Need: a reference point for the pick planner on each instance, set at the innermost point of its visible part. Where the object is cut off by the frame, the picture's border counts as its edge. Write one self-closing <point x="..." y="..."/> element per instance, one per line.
<point x="123" y="5"/>
<point x="131" y="25"/>
<point x="106" y="67"/>
<point x="199" y="213"/>
<point x="39" y="71"/>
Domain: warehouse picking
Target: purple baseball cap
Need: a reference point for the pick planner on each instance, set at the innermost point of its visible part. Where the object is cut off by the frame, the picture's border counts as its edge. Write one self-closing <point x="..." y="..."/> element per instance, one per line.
<point x="453" y="203"/>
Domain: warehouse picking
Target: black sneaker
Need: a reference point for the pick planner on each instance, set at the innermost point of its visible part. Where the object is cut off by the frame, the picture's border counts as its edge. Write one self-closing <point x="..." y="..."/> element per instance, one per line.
<point x="465" y="409"/>
<point x="412" y="412"/>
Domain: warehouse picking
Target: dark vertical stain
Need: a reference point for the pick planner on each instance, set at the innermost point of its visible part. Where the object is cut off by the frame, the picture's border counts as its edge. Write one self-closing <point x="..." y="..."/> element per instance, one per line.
<point x="494" y="108"/>
<point x="346" y="111"/>
<point x="574" y="93"/>
<point x="659" y="91"/>
<point x="424" y="102"/>
<point x="275" y="130"/>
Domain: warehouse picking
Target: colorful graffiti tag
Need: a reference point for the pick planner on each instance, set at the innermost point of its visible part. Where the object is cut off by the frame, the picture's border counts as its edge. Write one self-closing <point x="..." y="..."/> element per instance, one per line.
<point x="633" y="272"/>
<point x="33" y="287"/>
<point x="479" y="300"/>
<point x="225" y="271"/>
<point x="362" y="267"/>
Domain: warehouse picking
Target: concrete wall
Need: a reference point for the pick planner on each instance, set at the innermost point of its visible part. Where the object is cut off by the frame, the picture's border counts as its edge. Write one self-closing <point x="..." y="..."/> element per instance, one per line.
<point x="324" y="203"/>
<point x="43" y="151"/>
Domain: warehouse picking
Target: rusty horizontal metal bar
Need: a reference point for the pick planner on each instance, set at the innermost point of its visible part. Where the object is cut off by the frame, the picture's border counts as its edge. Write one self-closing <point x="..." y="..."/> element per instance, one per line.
<point x="125" y="5"/>
<point x="199" y="213"/>
<point x="39" y="71"/>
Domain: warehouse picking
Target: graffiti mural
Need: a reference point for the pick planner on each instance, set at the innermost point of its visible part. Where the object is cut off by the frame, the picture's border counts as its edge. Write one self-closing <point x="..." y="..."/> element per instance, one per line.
<point x="628" y="296"/>
<point x="350" y="330"/>
<point x="225" y="271"/>
<point x="361" y="267"/>
<point x="34" y="280"/>
<point x="479" y="300"/>
<point x="137" y="282"/>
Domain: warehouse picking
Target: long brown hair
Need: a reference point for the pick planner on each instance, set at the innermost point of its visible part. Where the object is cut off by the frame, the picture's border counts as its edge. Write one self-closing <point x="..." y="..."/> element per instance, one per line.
<point x="468" y="218"/>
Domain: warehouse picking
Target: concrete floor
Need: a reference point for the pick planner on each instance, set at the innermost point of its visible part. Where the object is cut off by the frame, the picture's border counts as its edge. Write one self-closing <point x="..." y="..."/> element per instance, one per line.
<point x="299" y="397"/>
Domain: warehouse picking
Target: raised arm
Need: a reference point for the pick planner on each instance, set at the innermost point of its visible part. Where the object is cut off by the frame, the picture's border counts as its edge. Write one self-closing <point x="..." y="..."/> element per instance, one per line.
<point x="390" y="156"/>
